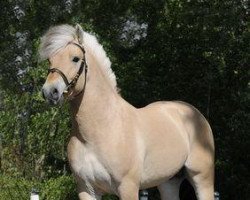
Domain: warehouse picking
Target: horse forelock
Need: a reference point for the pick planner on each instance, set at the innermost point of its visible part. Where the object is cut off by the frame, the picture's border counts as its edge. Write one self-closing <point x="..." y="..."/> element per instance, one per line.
<point x="58" y="37"/>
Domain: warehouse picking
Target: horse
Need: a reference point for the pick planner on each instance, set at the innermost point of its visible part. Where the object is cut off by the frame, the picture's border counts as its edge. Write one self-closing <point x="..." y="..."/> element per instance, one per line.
<point x="114" y="147"/>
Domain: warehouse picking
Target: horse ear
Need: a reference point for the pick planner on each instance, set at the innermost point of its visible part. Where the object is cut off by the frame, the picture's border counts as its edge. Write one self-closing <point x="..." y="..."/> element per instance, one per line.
<point x="79" y="33"/>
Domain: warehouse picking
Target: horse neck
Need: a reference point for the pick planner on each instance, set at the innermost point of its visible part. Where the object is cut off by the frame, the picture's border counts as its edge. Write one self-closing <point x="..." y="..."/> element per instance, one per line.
<point x="94" y="111"/>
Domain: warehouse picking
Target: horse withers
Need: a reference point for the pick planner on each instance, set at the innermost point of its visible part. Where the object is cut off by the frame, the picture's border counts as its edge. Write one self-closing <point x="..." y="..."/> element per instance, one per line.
<point x="115" y="147"/>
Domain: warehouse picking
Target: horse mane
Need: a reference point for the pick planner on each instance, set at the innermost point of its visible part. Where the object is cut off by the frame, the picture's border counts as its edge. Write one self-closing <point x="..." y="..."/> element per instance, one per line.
<point x="58" y="37"/>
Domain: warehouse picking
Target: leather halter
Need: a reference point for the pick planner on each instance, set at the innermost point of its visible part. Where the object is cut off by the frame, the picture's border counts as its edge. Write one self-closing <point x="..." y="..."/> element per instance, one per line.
<point x="72" y="83"/>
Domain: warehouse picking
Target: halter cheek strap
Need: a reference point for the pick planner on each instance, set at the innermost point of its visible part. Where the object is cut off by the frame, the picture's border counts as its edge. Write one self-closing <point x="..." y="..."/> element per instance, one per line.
<point x="72" y="83"/>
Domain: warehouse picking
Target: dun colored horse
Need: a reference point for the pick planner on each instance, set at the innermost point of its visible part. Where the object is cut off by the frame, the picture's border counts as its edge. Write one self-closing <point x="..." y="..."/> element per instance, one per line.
<point x="115" y="147"/>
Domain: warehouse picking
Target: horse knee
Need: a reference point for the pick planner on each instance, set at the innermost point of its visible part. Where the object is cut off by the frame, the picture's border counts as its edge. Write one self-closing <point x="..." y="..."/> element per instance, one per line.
<point x="128" y="190"/>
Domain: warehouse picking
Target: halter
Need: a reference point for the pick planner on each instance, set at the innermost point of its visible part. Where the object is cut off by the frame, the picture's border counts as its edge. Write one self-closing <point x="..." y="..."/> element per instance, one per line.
<point x="72" y="83"/>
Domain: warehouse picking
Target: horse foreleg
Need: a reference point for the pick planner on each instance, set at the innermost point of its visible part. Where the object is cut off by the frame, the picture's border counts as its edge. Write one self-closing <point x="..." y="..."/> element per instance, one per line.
<point x="86" y="196"/>
<point x="86" y="191"/>
<point x="128" y="190"/>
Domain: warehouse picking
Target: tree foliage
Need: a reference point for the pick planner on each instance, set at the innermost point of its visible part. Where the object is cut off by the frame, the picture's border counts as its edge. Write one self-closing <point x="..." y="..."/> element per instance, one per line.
<point x="191" y="50"/>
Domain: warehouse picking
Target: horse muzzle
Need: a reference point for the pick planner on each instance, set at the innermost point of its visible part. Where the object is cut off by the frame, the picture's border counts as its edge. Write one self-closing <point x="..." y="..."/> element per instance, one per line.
<point x="52" y="93"/>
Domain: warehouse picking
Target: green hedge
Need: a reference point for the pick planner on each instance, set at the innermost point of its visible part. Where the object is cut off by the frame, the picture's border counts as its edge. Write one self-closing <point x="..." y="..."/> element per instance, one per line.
<point x="60" y="188"/>
<point x="11" y="188"/>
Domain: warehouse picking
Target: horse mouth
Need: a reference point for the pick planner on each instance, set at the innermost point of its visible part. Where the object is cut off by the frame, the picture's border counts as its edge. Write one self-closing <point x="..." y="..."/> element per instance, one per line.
<point x="55" y="102"/>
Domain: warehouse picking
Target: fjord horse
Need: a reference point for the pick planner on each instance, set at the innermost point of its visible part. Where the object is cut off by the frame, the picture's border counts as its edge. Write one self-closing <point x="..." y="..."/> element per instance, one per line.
<point x="115" y="147"/>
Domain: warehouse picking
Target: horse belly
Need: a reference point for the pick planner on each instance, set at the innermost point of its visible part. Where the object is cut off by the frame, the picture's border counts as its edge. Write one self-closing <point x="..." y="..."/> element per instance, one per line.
<point x="165" y="156"/>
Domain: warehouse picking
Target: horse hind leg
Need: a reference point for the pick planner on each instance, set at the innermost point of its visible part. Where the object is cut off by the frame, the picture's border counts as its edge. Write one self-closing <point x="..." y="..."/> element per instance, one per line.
<point x="169" y="190"/>
<point x="200" y="173"/>
<point x="203" y="186"/>
<point x="200" y="161"/>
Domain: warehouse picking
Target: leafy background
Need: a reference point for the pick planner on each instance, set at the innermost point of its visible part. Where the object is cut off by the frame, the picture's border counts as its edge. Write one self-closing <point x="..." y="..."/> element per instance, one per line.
<point x="191" y="50"/>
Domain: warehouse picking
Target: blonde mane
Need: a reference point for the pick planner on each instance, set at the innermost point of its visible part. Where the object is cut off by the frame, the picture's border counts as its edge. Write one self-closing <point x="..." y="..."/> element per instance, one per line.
<point x="58" y="37"/>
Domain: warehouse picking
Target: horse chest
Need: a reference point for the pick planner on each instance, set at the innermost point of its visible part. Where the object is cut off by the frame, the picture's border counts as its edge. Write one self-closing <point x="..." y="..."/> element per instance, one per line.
<point x="91" y="170"/>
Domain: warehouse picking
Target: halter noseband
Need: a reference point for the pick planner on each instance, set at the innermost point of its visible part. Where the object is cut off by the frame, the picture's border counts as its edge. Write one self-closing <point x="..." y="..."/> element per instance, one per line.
<point x="72" y="83"/>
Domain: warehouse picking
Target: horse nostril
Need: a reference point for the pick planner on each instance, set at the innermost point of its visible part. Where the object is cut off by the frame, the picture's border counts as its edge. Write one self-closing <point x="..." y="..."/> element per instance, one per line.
<point x="51" y="94"/>
<point x="55" y="91"/>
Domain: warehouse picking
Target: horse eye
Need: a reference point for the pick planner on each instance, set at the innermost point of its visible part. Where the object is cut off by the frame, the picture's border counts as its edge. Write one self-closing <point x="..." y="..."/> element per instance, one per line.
<point x="75" y="59"/>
